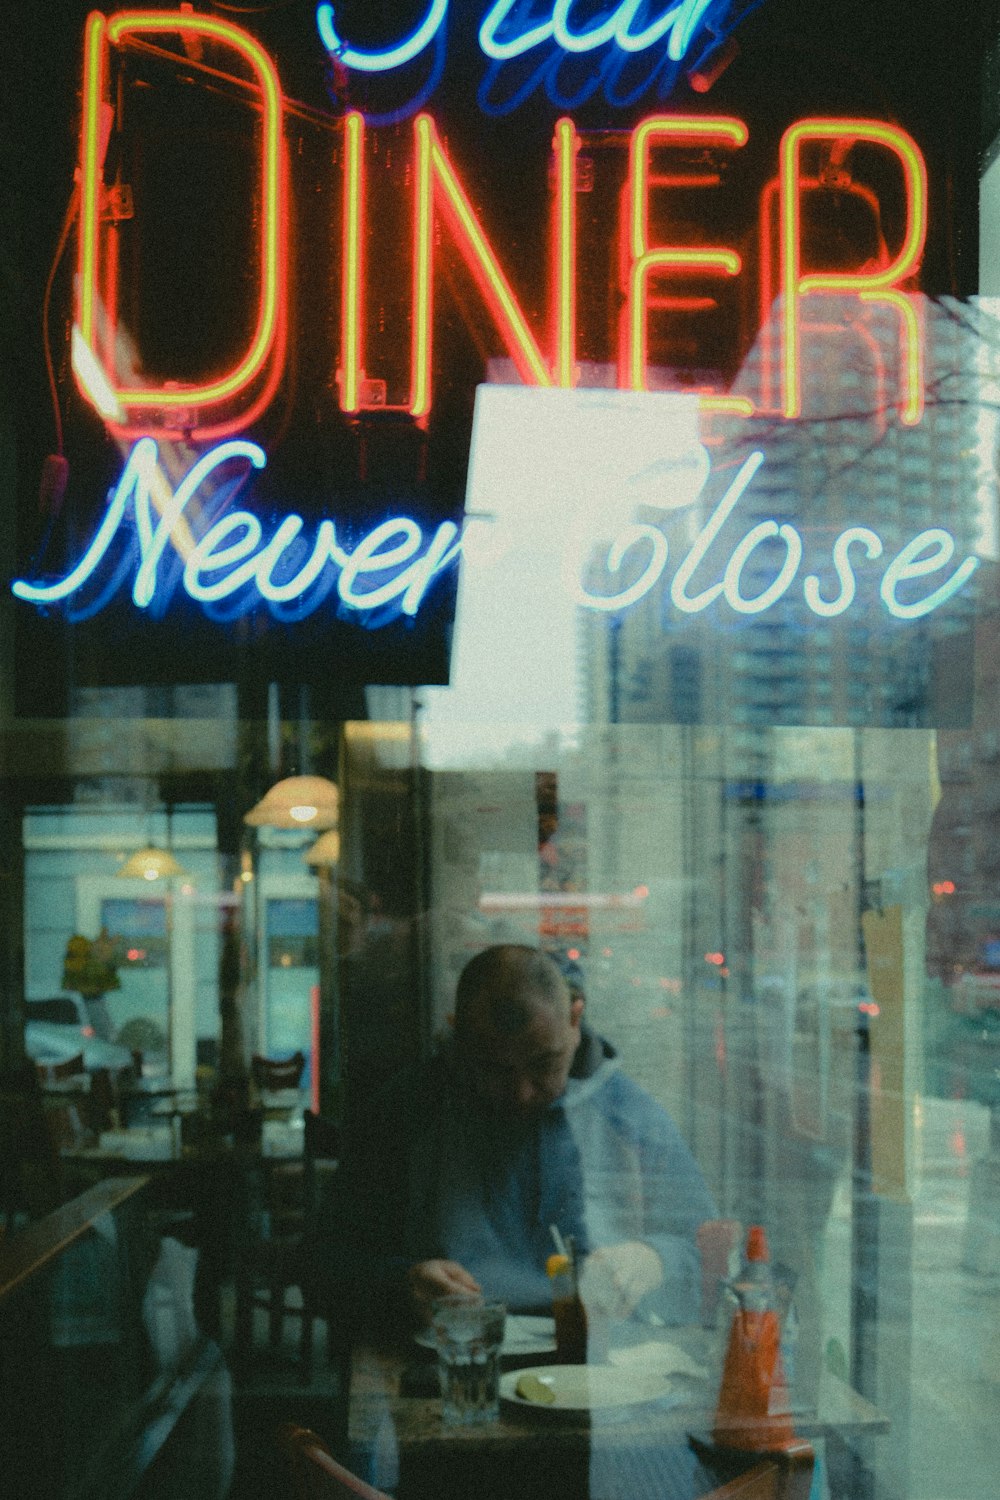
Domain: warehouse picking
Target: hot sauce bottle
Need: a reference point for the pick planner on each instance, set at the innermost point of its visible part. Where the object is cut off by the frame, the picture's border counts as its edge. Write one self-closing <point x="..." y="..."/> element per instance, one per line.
<point x="568" y="1310"/>
<point x="753" y="1407"/>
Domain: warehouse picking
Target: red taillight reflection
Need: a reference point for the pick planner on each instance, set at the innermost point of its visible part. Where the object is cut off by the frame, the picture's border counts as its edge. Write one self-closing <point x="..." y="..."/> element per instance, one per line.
<point x="87" y="1031"/>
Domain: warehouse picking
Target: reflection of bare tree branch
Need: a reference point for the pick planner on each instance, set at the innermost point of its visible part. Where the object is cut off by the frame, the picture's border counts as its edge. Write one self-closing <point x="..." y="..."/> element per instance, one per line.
<point x="945" y="389"/>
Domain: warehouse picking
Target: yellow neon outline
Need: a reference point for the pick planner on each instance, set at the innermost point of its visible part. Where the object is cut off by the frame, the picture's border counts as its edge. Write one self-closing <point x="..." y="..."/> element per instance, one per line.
<point x="92" y="378"/>
<point x="711" y="258"/>
<point x="566" y="144"/>
<point x="912" y="359"/>
<point x="724" y="128"/>
<point x="272" y="229"/>
<point x="793" y="284"/>
<point x="724" y="262"/>
<point x="735" y="406"/>
<point x="352" y="314"/>
<point x="423" y="265"/>
<point x="433" y="166"/>
<point x="90" y="186"/>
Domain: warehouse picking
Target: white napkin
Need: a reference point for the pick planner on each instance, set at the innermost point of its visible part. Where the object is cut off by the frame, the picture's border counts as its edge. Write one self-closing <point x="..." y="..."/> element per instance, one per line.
<point x="654" y="1354"/>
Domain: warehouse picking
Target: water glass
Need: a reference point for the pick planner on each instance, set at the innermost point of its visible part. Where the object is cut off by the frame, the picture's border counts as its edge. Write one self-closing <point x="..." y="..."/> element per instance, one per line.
<point x="468" y="1333"/>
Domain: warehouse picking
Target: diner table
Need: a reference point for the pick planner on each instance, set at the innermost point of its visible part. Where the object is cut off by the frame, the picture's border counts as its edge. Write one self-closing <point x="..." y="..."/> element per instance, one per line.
<point x="205" y="1189"/>
<point x="397" y="1439"/>
<point x="70" y="1085"/>
<point x="140" y="1098"/>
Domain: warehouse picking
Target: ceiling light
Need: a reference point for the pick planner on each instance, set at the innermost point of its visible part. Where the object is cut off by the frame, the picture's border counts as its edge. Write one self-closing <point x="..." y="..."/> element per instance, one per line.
<point x="151" y="864"/>
<point x="297" y="802"/>
<point x="325" y="851"/>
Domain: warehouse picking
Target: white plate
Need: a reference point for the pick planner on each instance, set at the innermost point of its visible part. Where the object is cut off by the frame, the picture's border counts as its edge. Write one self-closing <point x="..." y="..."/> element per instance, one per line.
<point x="522" y="1334"/>
<point x="587" y="1388"/>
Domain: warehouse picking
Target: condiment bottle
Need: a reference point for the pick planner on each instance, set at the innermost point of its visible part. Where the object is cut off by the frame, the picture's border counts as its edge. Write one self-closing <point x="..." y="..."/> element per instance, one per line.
<point x="753" y="1408"/>
<point x="755" y="1287"/>
<point x="568" y="1311"/>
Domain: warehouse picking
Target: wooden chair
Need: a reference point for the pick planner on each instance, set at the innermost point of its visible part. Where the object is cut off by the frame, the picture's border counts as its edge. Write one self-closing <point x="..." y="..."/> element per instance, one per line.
<point x="271" y="1074"/>
<point x="782" y="1474"/>
<point x="316" y="1474"/>
<point x="101" y="1105"/>
<point x="55" y="1072"/>
<point x="279" y="1259"/>
<point x="31" y="1176"/>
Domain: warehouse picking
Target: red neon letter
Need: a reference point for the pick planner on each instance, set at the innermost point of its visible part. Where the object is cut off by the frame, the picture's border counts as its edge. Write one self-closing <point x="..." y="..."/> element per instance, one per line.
<point x="566" y="144"/>
<point x="352" y="352"/>
<point x="268" y="333"/>
<point x="644" y="262"/>
<point x="869" y="286"/>
<point x="434" y="171"/>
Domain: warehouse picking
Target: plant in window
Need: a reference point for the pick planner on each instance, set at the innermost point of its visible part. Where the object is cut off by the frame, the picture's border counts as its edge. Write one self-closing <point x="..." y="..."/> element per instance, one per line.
<point x="90" y="965"/>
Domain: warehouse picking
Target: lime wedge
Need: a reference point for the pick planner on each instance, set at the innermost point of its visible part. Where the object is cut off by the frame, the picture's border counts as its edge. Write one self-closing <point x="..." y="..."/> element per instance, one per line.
<point x="530" y="1388"/>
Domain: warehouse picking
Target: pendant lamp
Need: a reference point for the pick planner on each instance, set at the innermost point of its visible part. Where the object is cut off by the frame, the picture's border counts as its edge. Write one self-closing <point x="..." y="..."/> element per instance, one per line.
<point x="325" y="851"/>
<point x="297" y="802"/>
<point x="151" y="864"/>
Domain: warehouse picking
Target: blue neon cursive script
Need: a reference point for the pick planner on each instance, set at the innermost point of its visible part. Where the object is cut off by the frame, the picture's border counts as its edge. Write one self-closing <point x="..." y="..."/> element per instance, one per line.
<point x="390" y="569"/>
<point x="928" y="552"/>
<point x="393" y="565"/>
<point x="507" y="31"/>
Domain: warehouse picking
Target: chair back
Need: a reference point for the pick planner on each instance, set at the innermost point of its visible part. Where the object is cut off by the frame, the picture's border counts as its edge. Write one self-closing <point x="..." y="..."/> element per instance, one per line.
<point x="102" y="1102"/>
<point x="30" y="1167"/>
<point x="316" y="1473"/>
<point x="68" y="1068"/>
<point x="322" y="1137"/>
<point x="320" y="1160"/>
<point x="273" y="1073"/>
<point x="783" y="1473"/>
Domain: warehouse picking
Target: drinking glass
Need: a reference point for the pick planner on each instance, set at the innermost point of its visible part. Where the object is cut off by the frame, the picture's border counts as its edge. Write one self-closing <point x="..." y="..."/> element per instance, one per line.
<point x="468" y="1333"/>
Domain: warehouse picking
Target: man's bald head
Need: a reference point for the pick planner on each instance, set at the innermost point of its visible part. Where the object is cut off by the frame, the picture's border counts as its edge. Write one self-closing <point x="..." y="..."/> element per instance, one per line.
<point x="504" y="985"/>
<point x="517" y="1028"/>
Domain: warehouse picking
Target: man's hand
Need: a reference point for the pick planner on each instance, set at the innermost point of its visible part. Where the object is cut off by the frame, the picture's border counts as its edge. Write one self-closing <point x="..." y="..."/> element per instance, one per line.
<point x="615" y="1279"/>
<point x="430" y="1279"/>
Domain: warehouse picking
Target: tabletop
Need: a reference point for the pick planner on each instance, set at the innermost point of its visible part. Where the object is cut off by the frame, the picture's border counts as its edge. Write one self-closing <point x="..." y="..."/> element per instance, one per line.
<point x="398" y="1440"/>
<point x="73" y="1083"/>
<point x="154" y="1093"/>
<point x="153" y="1143"/>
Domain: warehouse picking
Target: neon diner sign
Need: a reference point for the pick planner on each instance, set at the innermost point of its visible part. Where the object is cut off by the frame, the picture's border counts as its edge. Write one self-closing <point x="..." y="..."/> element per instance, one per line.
<point x="650" y="266"/>
<point x="390" y="570"/>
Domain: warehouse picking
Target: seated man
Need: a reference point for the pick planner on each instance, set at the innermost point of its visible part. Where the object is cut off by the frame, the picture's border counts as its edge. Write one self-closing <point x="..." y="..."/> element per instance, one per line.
<point x="524" y="1120"/>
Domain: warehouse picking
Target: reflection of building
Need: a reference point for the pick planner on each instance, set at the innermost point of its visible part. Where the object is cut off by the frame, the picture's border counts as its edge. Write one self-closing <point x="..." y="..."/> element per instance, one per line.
<point x="848" y="463"/>
<point x="963" y="871"/>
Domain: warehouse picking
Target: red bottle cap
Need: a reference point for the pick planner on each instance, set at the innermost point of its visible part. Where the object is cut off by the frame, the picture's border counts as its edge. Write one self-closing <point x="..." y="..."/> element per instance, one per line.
<point x="757" y="1243"/>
